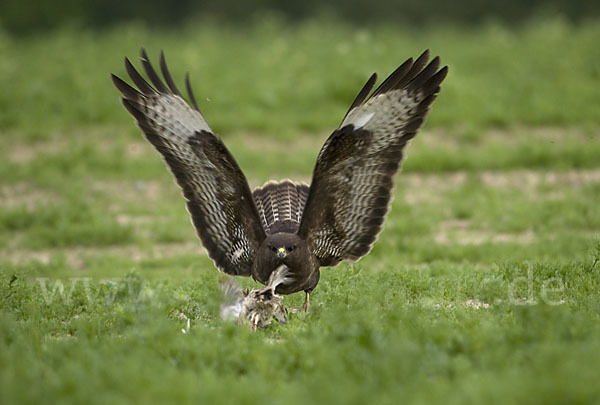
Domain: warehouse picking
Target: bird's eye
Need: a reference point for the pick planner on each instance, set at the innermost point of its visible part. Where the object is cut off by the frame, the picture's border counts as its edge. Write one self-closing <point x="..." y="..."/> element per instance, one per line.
<point x="273" y="248"/>
<point x="291" y="248"/>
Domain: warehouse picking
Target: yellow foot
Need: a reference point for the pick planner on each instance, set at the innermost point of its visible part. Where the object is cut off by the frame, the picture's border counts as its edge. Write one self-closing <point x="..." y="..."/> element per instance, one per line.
<point x="306" y="302"/>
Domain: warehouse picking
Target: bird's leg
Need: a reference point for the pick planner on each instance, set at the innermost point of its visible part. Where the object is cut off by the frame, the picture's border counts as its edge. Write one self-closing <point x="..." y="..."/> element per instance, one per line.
<point x="306" y="302"/>
<point x="254" y="319"/>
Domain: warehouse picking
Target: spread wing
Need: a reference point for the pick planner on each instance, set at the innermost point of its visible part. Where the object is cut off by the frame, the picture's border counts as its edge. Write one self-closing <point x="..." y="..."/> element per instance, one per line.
<point x="217" y="193"/>
<point x="353" y="179"/>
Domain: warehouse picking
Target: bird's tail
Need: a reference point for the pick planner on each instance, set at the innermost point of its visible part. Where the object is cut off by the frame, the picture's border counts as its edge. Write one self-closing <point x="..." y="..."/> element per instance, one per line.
<point x="280" y="204"/>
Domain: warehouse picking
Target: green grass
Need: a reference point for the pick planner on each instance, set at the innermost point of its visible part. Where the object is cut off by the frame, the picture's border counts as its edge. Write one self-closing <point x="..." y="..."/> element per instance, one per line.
<point x="280" y="80"/>
<point x="482" y="288"/>
<point x="397" y="334"/>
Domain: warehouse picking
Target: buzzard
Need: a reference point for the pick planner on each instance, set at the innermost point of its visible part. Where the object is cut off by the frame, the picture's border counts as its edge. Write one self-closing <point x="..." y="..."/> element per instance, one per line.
<point x="287" y="225"/>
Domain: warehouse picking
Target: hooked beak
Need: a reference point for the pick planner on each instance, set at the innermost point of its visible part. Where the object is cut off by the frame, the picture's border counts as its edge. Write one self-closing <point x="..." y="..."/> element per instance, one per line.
<point x="281" y="253"/>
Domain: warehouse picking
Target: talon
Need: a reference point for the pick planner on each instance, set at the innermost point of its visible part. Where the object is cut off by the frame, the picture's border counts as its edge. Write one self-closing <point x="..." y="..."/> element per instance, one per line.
<point x="306" y="302"/>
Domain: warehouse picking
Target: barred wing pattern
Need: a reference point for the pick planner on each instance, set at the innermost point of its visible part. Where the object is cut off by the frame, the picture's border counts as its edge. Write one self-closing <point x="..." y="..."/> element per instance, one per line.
<point x="217" y="192"/>
<point x="280" y="205"/>
<point x="352" y="182"/>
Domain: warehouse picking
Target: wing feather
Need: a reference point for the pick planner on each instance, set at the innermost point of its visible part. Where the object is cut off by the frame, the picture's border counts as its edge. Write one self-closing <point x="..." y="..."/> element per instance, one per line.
<point x="188" y="87"/>
<point x="167" y="75"/>
<point x="217" y="193"/>
<point x="156" y="81"/>
<point x="352" y="184"/>
<point x="363" y="93"/>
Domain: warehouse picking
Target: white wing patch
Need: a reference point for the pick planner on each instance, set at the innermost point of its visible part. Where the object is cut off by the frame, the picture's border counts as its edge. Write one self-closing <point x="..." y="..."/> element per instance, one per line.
<point x="361" y="120"/>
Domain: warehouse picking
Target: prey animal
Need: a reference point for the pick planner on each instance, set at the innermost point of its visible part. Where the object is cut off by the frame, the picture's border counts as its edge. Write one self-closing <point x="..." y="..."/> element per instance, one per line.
<point x="287" y="225"/>
<point x="256" y="307"/>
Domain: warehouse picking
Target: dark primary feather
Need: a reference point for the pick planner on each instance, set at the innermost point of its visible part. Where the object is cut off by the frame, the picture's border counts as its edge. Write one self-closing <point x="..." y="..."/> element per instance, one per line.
<point x="363" y="93"/>
<point x="156" y="81"/>
<point x="353" y="178"/>
<point x="167" y="75"/>
<point x="217" y="193"/>
<point x="188" y="86"/>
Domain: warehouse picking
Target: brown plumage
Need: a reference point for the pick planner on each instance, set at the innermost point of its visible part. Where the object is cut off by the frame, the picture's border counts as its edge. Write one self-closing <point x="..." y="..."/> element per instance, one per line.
<point x="289" y="224"/>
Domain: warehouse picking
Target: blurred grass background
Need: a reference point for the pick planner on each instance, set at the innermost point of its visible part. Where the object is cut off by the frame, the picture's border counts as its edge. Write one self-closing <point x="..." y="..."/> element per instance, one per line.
<point x="279" y="79"/>
<point x="498" y="197"/>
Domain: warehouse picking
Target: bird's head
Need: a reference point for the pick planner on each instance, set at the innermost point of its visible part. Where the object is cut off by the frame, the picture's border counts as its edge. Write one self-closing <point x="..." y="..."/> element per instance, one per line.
<point x="283" y="246"/>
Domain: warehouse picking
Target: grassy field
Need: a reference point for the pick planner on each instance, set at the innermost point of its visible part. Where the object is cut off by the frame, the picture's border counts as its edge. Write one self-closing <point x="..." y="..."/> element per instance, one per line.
<point x="483" y="287"/>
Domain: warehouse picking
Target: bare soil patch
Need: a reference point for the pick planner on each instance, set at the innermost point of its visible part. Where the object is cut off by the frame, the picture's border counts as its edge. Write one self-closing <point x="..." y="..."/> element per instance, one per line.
<point x="78" y="257"/>
<point x="24" y="195"/>
<point x="462" y="233"/>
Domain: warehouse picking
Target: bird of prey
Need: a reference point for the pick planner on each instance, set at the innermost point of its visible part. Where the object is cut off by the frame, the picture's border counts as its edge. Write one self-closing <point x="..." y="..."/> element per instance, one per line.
<point x="287" y="225"/>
